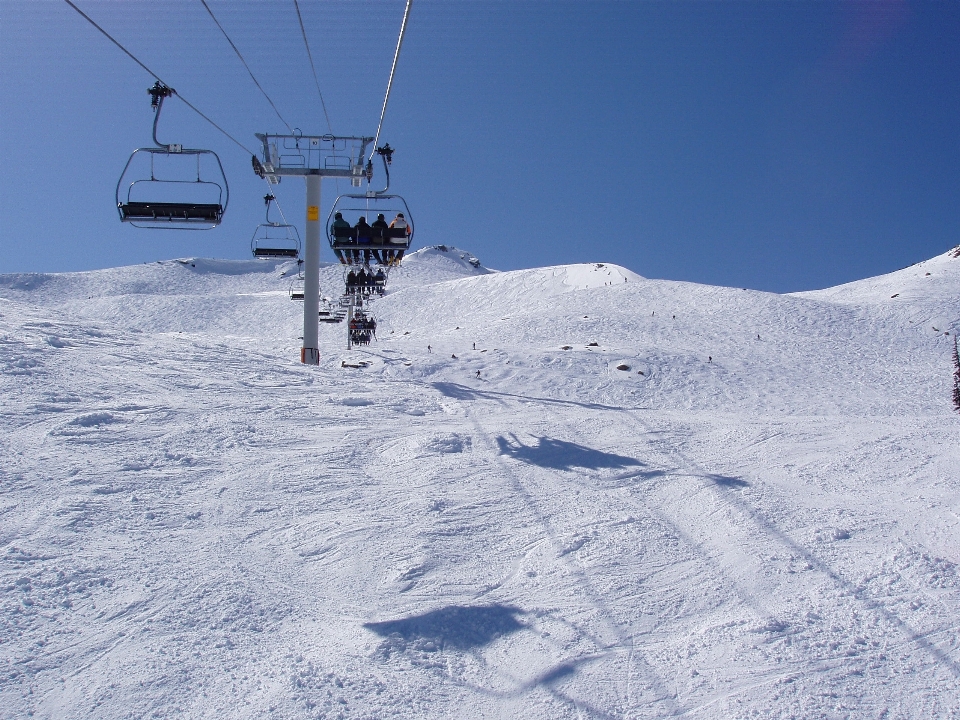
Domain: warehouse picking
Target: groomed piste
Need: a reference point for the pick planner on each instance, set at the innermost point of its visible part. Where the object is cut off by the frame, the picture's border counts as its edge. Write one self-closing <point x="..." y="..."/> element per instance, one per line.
<point x="561" y="492"/>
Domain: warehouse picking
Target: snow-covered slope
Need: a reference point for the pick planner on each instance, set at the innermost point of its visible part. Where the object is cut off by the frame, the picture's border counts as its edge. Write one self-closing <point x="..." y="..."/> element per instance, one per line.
<point x="933" y="281"/>
<point x="922" y="296"/>
<point x="656" y="499"/>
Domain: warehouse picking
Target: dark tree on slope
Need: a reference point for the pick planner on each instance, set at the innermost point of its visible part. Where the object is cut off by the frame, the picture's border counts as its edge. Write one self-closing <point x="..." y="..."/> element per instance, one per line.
<point x="956" y="375"/>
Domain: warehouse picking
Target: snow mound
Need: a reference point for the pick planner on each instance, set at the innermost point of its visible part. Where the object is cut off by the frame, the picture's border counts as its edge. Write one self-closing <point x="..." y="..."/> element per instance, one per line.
<point x="594" y="275"/>
<point x="188" y="295"/>
<point x="437" y="263"/>
<point x="185" y="276"/>
<point x="449" y="254"/>
<point x="518" y="286"/>
<point x="926" y="295"/>
<point x="931" y="280"/>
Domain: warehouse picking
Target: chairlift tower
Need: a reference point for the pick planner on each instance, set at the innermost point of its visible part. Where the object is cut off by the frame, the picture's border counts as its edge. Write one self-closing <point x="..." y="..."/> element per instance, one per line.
<point x="312" y="157"/>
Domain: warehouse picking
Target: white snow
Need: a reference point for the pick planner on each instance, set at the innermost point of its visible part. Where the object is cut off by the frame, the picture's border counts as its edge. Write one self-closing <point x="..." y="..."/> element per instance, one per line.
<point x="192" y="524"/>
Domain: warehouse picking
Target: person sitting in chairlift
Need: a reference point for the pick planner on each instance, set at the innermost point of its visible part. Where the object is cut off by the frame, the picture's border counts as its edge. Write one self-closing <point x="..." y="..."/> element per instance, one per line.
<point x="396" y="255"/>
<point x="351" y="282"/>
<point x="379" y="236"/>
<point x="364" y="237"/>
<point x="339" y="223"/>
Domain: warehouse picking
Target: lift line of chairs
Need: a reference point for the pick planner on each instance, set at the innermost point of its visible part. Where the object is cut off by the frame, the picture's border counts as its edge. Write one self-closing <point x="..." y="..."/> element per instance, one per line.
<point x="171" y="187"/>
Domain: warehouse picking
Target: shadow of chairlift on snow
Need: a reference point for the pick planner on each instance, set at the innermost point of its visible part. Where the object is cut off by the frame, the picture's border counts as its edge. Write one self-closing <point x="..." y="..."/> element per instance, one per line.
<point x="468" y="629"/>
<point x="563" y="455"/>
<point x="727" y="481"/>
<point x="455" y="626"/>
<point x="463" y="392"/>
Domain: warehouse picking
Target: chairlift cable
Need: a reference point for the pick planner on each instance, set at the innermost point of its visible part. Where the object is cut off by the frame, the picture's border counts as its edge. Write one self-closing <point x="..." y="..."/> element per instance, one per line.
<point x="231" y="137"/>
<point x="157" y="77"/>
<point x="396" y="56"/>
<point x="255" y="82"/>
<point x="276" y="202"/>
<point x="313" y="67"/>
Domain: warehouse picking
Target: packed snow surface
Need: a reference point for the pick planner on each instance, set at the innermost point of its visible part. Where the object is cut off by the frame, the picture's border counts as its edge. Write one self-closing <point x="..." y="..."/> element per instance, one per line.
<point x="656" y="498"/>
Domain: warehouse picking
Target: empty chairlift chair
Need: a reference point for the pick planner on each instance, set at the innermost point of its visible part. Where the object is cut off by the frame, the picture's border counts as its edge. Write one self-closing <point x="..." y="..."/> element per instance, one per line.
<point x="273" y="239"/>
<point x="296" y="286"/>
<point x="331" y="312"/>
<point x="171" y="187"/>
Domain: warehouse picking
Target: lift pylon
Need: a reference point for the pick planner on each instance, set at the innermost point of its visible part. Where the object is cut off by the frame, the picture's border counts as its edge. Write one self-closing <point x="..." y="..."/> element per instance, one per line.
<point x="312" y="157"/>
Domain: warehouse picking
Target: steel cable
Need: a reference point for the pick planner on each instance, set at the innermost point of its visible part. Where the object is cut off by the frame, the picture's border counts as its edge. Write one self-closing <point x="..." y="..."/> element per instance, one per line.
<point x="255" y="82"/>
<point x="157" y="77"/>
<point x="393" y="69"/>
<point x="313" y="67"/>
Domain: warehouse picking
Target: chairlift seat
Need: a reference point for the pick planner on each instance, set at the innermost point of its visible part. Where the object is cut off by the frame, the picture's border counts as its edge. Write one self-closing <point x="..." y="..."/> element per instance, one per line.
<point x="398" y="232"/>
<point x="173" y="212"/>
<point x="262" y="252"/>
<point x="378" y="237"/>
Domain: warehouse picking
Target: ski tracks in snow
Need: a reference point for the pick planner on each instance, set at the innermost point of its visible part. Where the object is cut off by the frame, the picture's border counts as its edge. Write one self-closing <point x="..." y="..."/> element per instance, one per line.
<point x="192" y="521"/>
<point x="774" y="606"/>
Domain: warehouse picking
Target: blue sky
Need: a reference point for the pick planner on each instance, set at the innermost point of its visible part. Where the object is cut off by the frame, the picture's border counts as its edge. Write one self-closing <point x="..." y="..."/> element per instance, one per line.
<point x="773" y="145"/>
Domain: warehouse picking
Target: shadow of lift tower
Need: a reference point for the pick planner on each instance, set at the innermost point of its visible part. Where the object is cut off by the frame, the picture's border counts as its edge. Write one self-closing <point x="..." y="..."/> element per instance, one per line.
<point x="312" y="157"/>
